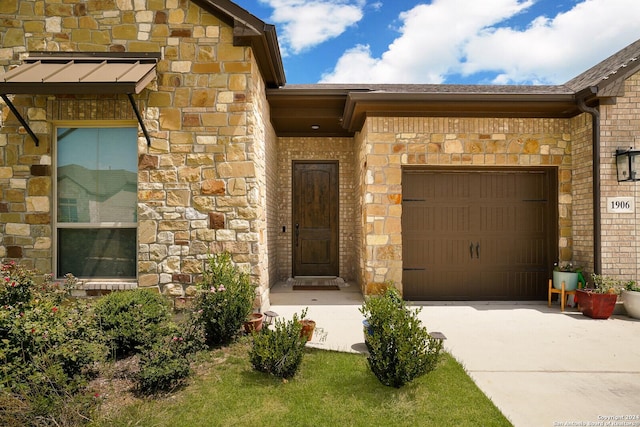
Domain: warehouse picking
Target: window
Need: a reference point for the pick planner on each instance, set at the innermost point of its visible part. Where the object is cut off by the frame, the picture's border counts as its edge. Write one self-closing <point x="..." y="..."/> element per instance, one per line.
<point x="96" y="222"/>
<point x="67" y="210"/>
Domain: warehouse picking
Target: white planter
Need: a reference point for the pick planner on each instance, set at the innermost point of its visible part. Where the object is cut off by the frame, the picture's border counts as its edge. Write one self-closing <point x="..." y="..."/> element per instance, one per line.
<point x="631" y="301"/>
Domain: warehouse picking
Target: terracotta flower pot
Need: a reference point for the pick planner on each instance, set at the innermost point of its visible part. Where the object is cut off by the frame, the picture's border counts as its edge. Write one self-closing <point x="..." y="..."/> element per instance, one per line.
<point x="594" y="305"/>
<point x="307" y="328"/>
<point x="254" y="323"/>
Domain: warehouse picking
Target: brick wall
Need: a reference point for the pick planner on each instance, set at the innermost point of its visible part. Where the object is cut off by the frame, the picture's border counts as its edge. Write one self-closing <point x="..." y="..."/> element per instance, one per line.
<point x="264" y="154"/>
<point x="360" y="163"/>
<point x="620" y="128"/>
<point x="579" y="247"/>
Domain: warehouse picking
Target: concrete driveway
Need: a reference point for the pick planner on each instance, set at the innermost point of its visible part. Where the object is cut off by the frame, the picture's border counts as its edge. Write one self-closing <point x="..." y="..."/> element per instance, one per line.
<point x="539" y="366"/>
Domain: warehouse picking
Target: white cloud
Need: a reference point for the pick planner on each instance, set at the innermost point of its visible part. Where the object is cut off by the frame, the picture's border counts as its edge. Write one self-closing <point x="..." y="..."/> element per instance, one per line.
<point x="305" y="24"/>
<point x="464" y="37"/>
<point x="554" y="50"/>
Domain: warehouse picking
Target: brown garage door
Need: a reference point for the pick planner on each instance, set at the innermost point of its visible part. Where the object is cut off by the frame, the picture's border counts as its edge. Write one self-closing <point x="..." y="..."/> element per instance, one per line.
<point x="478" y="234"/>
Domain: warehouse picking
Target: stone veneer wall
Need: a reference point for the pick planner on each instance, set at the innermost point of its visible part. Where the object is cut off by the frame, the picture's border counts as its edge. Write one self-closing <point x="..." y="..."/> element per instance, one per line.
<point x="620" y="128"/>
<point x="581" y="187"/>
<point x="390" y="143"/>
<point x="342" y="150"/>
<point x="201" y="183"/>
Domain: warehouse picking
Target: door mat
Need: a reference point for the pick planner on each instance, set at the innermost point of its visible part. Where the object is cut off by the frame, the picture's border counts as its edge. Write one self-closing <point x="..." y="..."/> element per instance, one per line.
<point x="316" y="287"/>
<point x="316" y="284"/>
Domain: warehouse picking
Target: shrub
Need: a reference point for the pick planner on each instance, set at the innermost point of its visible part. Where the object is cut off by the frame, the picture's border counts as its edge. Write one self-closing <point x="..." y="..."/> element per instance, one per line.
<point x="400" y="348"/>
<point x="46" y="327"/>
<point x="189" y="336"/>
<point x="47" y="398"/>
<point x="132" y="320"/>
<point x="16" y="285"/>
<point x="224" y="300"/>
<point x="66" y="334"/>
<point x="163" y="367"/>
<point x="48" y="346"/>
<point x="279" y="351"/>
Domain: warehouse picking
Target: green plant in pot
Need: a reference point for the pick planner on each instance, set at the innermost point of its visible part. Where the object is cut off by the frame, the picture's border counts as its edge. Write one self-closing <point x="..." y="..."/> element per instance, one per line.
<point x="631" y="299"/>
<point x="599" y="301"/>
<point x="568" y="273"/>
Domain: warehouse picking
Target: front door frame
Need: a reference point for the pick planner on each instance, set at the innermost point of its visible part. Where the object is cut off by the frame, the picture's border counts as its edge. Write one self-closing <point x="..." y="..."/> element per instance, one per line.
<point x="331" y="270"/>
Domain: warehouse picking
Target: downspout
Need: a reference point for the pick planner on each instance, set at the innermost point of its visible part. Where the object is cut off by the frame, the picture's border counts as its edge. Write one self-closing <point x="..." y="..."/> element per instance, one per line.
<point x="597" y="227"/>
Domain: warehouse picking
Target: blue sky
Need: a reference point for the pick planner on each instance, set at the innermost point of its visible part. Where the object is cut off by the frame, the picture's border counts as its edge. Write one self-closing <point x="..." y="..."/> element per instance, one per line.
<point x="446" y="41"/>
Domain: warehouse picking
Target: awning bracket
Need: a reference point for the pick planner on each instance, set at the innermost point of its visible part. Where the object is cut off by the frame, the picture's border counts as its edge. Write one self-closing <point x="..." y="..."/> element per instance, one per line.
<point x="135" y="110"/>
<point x="22" y="121"/>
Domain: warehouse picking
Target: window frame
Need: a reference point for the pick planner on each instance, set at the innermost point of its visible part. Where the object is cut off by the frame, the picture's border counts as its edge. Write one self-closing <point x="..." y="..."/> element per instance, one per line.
<point x="94" y="124"/>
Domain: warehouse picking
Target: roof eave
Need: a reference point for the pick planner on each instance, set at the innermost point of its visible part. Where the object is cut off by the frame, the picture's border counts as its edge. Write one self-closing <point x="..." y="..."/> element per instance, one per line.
<point x="266" y="50"/>
<point x="342" y="111"/>
<point x="360" y="105"/>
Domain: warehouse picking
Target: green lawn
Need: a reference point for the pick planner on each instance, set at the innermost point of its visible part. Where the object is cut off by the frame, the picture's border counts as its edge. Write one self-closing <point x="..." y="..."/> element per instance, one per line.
<point x="331" y="389"/>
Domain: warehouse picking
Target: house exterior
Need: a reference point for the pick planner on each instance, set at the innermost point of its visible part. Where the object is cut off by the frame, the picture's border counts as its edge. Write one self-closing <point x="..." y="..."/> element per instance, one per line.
<point x="449" y="192"/>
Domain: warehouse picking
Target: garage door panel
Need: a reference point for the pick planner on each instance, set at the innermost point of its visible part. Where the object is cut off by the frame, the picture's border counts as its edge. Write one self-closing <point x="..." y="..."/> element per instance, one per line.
<point x="437" y="285"/>
<point x="438" y="254"/>
<point x="495" y="187"/>
<point x="531" y="219"/>
<point x="522" y="253"/>
<point x="436" y="187"/>
<point x="419" y="254"/>
<point x="528" y="253"/>
<point x="496" y="219"/>
<point x="501" y="285"/>
<point x="520" y="218"/>
<point x="425" y="219"/>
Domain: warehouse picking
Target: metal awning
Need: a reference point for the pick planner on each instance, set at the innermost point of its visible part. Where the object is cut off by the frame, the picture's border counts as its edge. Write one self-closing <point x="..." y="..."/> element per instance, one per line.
<point x="80" y="73"/>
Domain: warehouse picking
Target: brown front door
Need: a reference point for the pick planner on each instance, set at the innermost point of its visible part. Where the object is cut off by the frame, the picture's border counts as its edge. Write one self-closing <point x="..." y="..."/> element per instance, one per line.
<point x="478" y="235"/>
<point x="315" y="219"/>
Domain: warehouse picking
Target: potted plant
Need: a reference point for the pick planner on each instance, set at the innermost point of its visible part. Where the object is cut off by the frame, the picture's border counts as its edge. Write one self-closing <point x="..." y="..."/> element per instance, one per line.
<point x="569" y="274"/>
<point x="631" y="299"/>
<point x="308" y="327"/>
<point x="600" y="301"/>
<point x="254" y="323"/>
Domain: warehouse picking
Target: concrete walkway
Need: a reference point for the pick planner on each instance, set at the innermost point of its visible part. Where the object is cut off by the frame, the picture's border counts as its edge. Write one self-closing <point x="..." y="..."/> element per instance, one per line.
<point x="539" y="366"/>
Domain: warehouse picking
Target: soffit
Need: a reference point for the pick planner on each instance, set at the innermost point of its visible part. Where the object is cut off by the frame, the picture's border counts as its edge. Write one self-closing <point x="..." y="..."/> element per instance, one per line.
<point x="297" y="113"/>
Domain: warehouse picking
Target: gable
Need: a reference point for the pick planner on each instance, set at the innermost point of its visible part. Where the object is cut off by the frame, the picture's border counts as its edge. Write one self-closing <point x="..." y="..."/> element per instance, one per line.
<point x="248" y="30"/>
